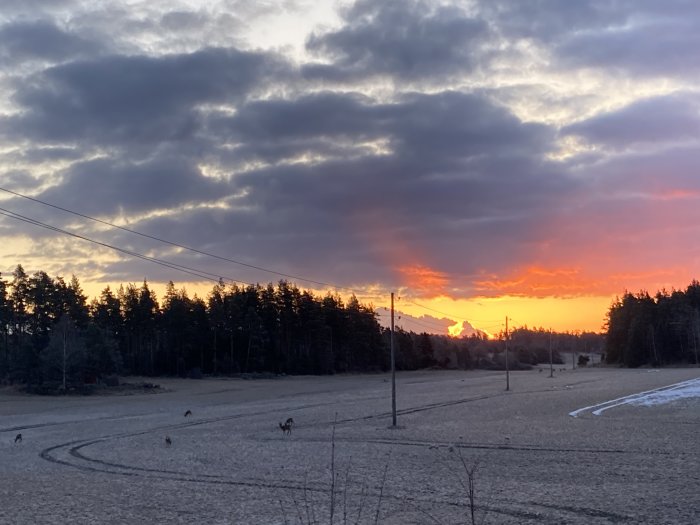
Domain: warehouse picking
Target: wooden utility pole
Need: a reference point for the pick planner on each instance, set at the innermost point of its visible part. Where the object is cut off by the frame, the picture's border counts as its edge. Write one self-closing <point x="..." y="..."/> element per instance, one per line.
<point x="393" y="368"/>
<point x="551" y="361"/>
<point x="65" y="345"/>
<point x="694" y="325"/>
<point x="653" y="345"/>
<point x="507" y="369"/>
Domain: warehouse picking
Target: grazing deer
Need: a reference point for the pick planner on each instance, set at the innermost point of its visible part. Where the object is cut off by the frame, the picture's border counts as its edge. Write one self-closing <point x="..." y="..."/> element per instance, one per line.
<point x="287" y="427"/>
<point x="18" y="438"/>
<point x="188" y="413"/>
<point x="168" y="441"/>
<point x="290" y="421"/>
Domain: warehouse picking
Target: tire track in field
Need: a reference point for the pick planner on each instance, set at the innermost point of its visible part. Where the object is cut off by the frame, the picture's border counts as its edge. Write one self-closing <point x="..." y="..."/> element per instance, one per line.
<point x="45" y="454"/>
<point x="490" y="446"/>
<point x="222" y="418"/>
<point x="382" y="415"/>
<point x="68" y="422"/>
<point x="77" y="459"/>
<point x="317" y="488"/>
<point x="585" y="511"/>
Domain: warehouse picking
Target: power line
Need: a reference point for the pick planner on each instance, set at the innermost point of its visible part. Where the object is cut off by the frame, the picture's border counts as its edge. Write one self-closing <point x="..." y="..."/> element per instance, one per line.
<point x="424" y="323"/>
<point x="411" y="318"/>
<point x="202" y="274"/>
<point x="445" y="313"/>
<point x="413" y="321"/>
<point x="191" y="249"/>
<point x="168" y="264"/>
<point x="177" y="245"/>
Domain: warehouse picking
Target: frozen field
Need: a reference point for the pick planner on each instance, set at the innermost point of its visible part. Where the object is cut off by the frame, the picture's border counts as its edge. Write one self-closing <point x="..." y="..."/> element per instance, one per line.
<point x="104" y="459"/>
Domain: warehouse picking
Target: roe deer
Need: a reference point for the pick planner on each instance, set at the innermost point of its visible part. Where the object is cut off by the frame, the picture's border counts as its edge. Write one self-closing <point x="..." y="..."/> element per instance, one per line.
<point x="286" y="428"/>
<point x="188" y="413"/>
<point x="18" y="438"/>
<point x="168" y="441"/>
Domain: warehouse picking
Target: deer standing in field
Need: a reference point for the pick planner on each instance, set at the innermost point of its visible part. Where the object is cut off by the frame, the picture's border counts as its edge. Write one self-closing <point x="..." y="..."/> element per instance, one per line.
<point x="18" y="438"/>
<point x="168" y="441"/>
<point x="188" y="413"/>
<point x="287" y="426"/>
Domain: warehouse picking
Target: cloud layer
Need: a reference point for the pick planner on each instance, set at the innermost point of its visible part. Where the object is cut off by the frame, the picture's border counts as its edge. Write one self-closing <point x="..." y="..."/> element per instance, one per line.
<point x="539" y="149"/>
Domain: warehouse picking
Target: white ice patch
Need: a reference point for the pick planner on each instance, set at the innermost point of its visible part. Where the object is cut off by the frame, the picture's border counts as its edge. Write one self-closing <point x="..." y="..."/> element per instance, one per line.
<point x="658" y="396"/>
<point x="691" y="389"/>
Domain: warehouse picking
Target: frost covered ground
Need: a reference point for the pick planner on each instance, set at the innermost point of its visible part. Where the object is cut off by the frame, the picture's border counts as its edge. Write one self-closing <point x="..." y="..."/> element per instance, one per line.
<point x="104" y="459"/>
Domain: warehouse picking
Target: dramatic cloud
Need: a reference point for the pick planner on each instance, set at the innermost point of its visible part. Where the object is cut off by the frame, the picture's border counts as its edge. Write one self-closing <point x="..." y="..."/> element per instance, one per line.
<point x="106" y="186"/>
<point x="450" y="165"/>
<point x="133" y="99"/>
<point x="456" y="151"/>
<point x="23" y="7"/>
<point x="551" y="20"/>
<point x="651" y="41"/>
<point x="41" y="40"/>
<point x="405" y="40"/>
<point x="658" y="120"/>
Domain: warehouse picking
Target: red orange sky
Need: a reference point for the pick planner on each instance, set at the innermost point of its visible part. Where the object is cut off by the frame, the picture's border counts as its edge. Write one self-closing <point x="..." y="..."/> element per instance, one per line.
<point x="530" y="160"/>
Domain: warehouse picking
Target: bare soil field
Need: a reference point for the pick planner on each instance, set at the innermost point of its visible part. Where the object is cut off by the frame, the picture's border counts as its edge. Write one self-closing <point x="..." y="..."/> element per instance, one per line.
<point x="104" y="459"/>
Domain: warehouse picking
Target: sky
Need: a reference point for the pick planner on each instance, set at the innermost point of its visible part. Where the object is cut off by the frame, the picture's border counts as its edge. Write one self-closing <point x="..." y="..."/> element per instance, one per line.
<point x="482" y="159"/>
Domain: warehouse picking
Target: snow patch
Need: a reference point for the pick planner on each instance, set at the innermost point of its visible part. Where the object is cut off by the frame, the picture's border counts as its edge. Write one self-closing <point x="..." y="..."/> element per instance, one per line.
<point x="691" y="389"/>
<point x="657" y="396"/>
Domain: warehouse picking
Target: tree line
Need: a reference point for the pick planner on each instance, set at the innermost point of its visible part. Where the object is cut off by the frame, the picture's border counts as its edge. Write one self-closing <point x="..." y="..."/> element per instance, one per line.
<point x="51" y="334"/>
<point x="659" y="330"/>
<point x="49" y="331"/>
<point x="527" y="347"/>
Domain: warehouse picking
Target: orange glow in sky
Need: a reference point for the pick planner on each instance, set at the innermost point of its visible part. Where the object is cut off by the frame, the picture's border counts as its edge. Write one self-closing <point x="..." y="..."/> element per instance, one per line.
<point x="585" y="313"/>
<point x="522" y="175"/>
<point x="423" y="279"/>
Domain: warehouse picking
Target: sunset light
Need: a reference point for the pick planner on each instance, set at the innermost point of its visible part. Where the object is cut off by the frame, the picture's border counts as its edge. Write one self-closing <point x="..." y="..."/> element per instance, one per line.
<point x="509" y="171"/>
<point x="349" y="261"/>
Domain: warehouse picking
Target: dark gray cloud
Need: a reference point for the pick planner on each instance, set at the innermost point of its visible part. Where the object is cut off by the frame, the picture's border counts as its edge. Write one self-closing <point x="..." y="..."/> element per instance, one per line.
<point x="183" y="20"/>
<point x="464" y="125"/>
<point x="407" y="40"/>
<point x="42" y="154"/>
<point x="18" y="180"/>
<point x="42" y="40"/>
<point x="111" y="186"/>
<point x="426" y="41"/>
<point x="348" y="186"/>
<point x="133" y="99"/>
<point x="31" y="7"/>
<point x="326" y="124"/>
<point x="645" y="174"/>
<point x="437" y="130"/>
<point x="327" y="114"/>
<point x="658" y="120"/>
<point x="550" y="20"/>
<point x="450" y="165"/>
<point x="456" y="166"/>
<point x="647" y="47"/>
<point x="640" y="37"/>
